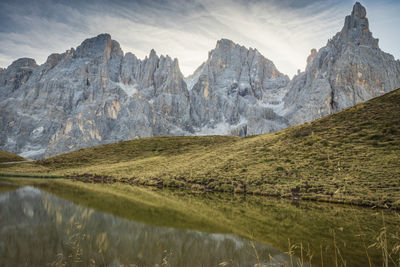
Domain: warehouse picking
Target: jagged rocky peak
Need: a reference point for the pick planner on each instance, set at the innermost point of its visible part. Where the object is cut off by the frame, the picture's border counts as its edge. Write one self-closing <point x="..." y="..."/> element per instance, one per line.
<point x="95" y="94"/>
<point x="16" y="74"/>
<point x="101" y="45"/>
<point x="312" y="56"/>
<point x="359" y="11"/>
<point x="153" y="53"/>
<point x="24" y="63"/>
<point x="236" y="91"/>
<point x="52" y="61"/>
<point x="356" y="29"/>
<point x="226" y="45"/>
<point x="349" y="69"/>
<point x="158" y="74"/>
<point x="226" y="52"/>
<point x="235" y="68"/>
<point x="89" y="96"/>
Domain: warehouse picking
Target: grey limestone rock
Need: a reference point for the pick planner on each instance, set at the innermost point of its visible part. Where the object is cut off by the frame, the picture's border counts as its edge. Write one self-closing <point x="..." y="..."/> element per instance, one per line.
<point x="89" y="96"/>
<point x="349" y="69"/>
<point x="236" y="87"/>
<point x="16" y="75"/>
<point x="96" y="94"/>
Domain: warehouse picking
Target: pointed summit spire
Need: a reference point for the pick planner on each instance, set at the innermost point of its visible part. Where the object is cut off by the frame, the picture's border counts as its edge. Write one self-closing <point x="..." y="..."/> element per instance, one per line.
<point x="356" y="28"/>
<point x="153" y="53"/>
<point x="358" y="11"/>
<point x="101" y="45"/>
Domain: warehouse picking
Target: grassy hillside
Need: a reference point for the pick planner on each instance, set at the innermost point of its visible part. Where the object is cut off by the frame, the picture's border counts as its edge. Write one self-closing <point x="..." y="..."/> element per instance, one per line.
<point x="351" y="157"/>
<point x="9" y="157"/>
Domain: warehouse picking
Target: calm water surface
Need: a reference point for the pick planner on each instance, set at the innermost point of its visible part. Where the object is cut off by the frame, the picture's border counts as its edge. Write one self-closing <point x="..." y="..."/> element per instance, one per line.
<point x="38" y="228"/>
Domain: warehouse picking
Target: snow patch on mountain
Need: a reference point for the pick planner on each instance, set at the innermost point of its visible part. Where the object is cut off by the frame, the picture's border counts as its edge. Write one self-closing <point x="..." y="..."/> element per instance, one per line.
<point x="129" y="89"/>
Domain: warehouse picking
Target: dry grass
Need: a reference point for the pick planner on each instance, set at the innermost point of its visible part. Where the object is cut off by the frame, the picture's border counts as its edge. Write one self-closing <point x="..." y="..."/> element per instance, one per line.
<point x="349" y="157"/>
<point x="6" y="156"/>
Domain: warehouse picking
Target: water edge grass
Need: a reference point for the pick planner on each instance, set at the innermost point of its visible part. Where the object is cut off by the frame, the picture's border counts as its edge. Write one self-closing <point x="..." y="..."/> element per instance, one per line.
<point x="350" y="157"/>
<point x="309" y="226"/>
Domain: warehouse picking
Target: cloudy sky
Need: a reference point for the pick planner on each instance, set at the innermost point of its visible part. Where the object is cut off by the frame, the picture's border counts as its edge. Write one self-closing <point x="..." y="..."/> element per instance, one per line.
<point x="282" y="30"/>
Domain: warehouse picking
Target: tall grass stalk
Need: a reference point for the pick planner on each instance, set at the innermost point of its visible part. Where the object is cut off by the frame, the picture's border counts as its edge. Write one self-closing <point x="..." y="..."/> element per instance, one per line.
<point x="362" y="236"/>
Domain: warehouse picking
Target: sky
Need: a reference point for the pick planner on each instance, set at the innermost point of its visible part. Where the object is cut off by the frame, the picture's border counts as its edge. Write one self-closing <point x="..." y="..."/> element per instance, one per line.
<point x="284" y="31"/>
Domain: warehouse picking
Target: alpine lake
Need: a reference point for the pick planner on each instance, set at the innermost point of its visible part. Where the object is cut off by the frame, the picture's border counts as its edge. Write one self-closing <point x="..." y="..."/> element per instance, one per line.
<point x="52" y="223"/>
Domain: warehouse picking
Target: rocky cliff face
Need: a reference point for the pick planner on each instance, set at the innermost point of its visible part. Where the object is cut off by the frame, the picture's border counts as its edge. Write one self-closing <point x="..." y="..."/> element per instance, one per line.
<point x="88" y="96"/>
<point x="96" y="94"/>
<point x="349" y="69"/>
<point x="236" y="91"/>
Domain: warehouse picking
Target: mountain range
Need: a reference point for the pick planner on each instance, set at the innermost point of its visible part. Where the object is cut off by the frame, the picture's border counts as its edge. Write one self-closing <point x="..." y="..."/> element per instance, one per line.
<point x="96" y="94"/>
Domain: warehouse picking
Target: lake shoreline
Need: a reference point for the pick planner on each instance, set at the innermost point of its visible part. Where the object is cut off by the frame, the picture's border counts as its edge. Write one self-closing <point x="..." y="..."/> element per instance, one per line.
<point x="268" y="220"/>
<point x="106" y="180"/>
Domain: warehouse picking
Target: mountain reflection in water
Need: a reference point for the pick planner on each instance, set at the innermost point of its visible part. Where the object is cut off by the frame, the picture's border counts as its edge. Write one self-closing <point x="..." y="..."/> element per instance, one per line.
<point x="40" y="229"/>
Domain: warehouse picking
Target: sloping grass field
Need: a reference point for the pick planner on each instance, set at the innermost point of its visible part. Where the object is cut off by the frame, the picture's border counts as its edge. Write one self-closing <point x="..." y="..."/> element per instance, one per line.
<point x="349" y="157"/>
<point x="6" y="156"/>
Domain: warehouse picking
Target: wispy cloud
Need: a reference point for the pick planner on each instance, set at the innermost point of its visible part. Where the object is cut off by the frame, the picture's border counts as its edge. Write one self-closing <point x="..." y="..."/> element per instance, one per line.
<point x="284" y="31"/>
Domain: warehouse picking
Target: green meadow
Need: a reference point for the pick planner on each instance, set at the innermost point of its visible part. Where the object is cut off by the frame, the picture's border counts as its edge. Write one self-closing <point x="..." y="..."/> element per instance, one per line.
<point x="349" y="157"/>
